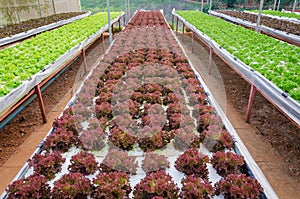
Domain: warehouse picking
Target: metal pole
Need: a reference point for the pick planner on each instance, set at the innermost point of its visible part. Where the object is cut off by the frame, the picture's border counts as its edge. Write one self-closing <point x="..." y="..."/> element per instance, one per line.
<point x="54" y="7"/>
<point x="259" y="15"/>
<point x="125" y="11"/>
<point x="274" y="7"/>
<point x="294" y="6"/>
<point x="41" y="102"/>
<point x="250" y="102"/>
<point x="278" y="5"/>
<point x="128" y="7"/>
<point x="202" y="5"/>
<point x="39" y="4"/>
<point x="211" y="51"/>
<point x="210" y="5"/>
<point x="109" y="23"/>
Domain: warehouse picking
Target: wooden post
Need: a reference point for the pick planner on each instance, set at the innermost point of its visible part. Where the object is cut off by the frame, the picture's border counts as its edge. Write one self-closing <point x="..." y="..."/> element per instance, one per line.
<point x="41" y="103"/>
<point x="211" y="51"/>
<point x="250" y="102"/>
<point x="84" y="60"/>
<point x="119" y="21"/>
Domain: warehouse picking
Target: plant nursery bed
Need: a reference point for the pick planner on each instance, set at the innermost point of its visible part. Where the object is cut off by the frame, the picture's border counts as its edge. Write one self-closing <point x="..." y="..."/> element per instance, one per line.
<point x="285" y="26"/>
<point x="270" y="137"/>
<point x="17" y="32"/>
<point x="141" y="125"/>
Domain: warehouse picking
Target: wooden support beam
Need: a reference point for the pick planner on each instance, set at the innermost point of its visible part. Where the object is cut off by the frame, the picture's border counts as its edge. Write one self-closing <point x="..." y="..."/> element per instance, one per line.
<point x="250" y="102"/>
<point x="41" y="102"/>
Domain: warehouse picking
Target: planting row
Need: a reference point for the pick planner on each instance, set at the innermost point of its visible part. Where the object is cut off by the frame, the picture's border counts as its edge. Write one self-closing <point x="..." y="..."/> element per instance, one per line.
<point x="278" y="13"/>
<point x="140" y="127"/>
<point x="25" y="59"/>
<point x="266" y="21"/>
<point x="24" y="26"/>
<point x="277" y="61"/>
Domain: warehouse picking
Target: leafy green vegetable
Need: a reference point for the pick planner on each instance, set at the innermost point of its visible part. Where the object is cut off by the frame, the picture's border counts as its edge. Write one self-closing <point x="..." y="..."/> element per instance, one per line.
<point x="277" y="61"/>
<point x="22" y="61"/>
<point x="278" y="13"/>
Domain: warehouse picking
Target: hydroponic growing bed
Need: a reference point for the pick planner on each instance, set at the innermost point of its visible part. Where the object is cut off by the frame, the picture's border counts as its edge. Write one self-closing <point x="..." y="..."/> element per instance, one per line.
<point x="285" y="26"/>
<point x="43" y="55"/>
<point x="141" y="126"/>
<point x="16" y="32"/>
<point x="270" y="65"/>
<point x="280" y="15"/>
<point x="283" y="30"/>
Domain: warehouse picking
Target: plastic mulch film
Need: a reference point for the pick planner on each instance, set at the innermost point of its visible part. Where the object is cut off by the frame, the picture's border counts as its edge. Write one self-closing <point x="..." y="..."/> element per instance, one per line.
<point x="38" y="30"/>
<point x="275" y="95"/>
<point x="293" y="20"/>
<point x="15" y="95"/>
<point x="272" y="31"/>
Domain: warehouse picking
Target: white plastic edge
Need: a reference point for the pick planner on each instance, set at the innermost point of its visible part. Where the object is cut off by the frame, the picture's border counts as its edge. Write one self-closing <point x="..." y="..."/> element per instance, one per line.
<point x="286" y="104"/>
<point x="285" y="35"/>
<point x="23" y="35"/>
<point x="16" y="94"/>
<point x="258" y="174"/>
<point x="293" y="20"/>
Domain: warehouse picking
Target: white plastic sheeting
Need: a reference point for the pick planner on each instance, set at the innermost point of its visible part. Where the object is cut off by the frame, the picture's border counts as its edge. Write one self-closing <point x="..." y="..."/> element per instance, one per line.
<point x="15" y="95"/>
<point x="38" y="30"/>
<point x="282" y="34"/>
<point x="275" y="95"/>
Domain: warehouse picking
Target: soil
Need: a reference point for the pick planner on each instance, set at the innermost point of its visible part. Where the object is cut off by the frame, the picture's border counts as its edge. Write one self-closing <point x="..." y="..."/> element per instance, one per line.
<point x="273" y="141"/>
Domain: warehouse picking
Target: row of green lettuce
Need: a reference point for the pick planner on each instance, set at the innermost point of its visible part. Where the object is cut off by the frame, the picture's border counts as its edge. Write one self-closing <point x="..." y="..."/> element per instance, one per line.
<point x="278" y="13"/>
<point x="277" y="61"/>
<point x="22" y="61"/>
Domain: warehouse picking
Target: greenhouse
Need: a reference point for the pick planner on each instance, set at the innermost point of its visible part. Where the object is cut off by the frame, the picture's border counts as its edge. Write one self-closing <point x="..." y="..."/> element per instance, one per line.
<point x="158" y="99"/>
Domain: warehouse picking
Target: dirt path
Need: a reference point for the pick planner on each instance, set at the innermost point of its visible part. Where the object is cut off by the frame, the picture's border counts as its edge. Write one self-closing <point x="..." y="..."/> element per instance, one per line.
<point x="279" y="162"/>
<point x="20" y="138"/>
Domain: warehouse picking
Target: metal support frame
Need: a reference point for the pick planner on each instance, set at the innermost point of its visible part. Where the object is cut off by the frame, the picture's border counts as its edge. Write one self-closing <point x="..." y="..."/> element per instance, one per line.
<point x="109" y="22"/>
<point x="259" y="15"/>
<point x="211" y="51"/>
<point x="278" y="5"/>
<point x="84" y="59"/>
<point x="193" y="42"/>
<point x="177" y="24"/>
<point x="41" y="102"/>
<point x="39" y="5"/>
<point x="250" y="102"/>
<point x="54" y="9"/>
<point x="119" y="22"/>
<point x="173" y="22"/>
<point x="294" y="6"/>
